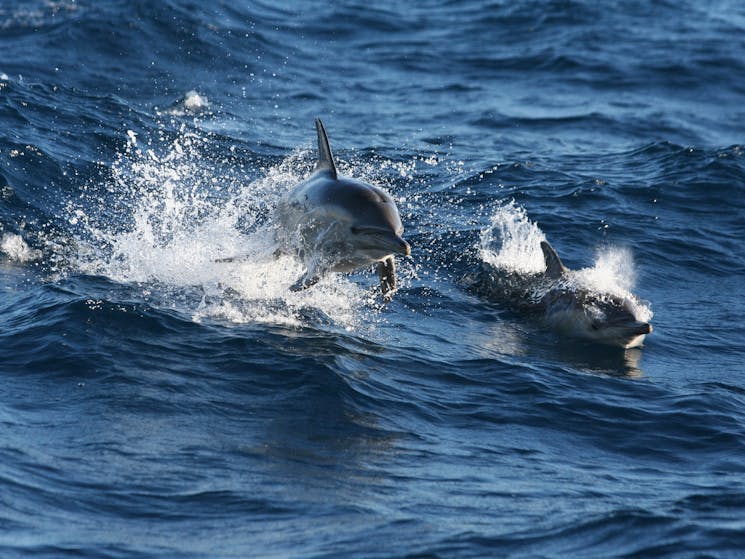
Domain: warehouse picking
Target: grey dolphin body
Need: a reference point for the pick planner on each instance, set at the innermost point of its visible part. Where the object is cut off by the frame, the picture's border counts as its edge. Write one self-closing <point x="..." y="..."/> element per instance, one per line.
<point x="567" y="305"/>
<point x="339" y="224"/>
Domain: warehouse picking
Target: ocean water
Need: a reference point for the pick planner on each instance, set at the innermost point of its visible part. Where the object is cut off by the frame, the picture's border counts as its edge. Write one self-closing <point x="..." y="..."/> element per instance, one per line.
<point x="156" y="403"/>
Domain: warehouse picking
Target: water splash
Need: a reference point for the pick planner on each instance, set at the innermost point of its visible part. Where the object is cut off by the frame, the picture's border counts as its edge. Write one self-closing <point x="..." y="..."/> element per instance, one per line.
<point x="512" y="242"/>
<point x="613" y="271"/>
<point x="17" y="249"/>
<point x="171" y="211"/>
<point x="192" y="103"/>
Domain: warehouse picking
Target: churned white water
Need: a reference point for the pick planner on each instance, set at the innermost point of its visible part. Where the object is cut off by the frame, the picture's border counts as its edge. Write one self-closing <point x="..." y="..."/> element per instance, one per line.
<point x="511" y="242"/>
<point x="183" y="221"/>
<point x="17" y="249"/>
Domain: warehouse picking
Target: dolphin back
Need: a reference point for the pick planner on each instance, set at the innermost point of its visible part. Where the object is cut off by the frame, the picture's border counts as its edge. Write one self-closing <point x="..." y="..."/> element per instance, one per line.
<point x="325" y="159"/>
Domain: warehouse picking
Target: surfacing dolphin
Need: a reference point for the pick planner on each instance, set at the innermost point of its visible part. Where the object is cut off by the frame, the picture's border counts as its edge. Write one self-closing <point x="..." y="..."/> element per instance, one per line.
<point x="339" y="224"/>
<point x="567" y="304"/>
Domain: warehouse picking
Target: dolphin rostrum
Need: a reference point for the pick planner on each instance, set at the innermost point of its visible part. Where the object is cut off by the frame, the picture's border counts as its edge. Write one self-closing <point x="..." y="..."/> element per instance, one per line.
<point x="338" y="224"/>
<point x="567" y="304"/>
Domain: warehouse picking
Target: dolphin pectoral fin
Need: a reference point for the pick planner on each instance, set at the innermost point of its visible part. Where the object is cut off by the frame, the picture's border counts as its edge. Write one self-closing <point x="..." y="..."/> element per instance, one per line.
<point x="387" y="275"/>
<point x="306" y="281"/>
<point x="311" y="277"/>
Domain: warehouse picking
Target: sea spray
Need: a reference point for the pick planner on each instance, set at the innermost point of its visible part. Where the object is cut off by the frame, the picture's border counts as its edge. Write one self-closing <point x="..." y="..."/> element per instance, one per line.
<point x="16" y="248"/>
<point x="512" y="241"/>
<point x="510" y="247"/>
<point x="172" y="211"/>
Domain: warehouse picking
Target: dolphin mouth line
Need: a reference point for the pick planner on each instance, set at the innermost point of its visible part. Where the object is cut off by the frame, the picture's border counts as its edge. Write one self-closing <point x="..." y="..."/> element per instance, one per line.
<point x="637" y="328"/>
<point x="395" y="245"/>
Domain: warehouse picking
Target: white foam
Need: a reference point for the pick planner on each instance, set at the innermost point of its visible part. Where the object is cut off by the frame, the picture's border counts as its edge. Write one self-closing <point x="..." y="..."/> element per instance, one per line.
<point x="177" y="213"/>
<point x="612" y="272"/>
<point x="512" y="242"/>
<point x="192" y="103"/>
<point x="17" y="249"/>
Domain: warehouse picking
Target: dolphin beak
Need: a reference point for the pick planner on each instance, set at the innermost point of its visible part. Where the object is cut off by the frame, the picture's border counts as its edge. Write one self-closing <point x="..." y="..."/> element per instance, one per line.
<point x="380" y="244"/>
<point x="404" y="248"/>
<point x="639" y="328"/>
<point x="630" y="328"/>
<point x="635" y="334"/>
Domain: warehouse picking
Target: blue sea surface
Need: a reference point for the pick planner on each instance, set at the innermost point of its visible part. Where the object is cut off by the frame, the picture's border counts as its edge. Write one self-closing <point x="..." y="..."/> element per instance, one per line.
<point x="156" y="403"/>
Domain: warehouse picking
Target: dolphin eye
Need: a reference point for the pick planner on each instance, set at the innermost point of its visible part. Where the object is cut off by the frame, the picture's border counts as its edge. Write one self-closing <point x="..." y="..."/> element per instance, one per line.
<point x="355" y="230"/>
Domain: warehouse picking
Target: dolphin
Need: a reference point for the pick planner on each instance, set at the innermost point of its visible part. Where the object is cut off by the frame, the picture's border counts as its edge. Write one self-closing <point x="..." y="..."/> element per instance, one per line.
<point x="339" y="224"/>
<point x="568" y="305"/>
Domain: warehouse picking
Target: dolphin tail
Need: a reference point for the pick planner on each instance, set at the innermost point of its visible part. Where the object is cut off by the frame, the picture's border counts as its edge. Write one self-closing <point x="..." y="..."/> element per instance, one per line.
<point x="554" y="266"/>
<point x="325" y="159"/>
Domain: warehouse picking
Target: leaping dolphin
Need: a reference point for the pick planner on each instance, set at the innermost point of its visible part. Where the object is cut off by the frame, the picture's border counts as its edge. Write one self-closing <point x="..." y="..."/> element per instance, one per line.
<point x="568" y="305"/>
<point x="339" y="224"/>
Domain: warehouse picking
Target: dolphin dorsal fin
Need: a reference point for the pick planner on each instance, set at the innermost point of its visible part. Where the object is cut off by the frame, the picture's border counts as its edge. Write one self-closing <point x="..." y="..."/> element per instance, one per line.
<point x="554" y="267"/>
<point x="325" y="159"/>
